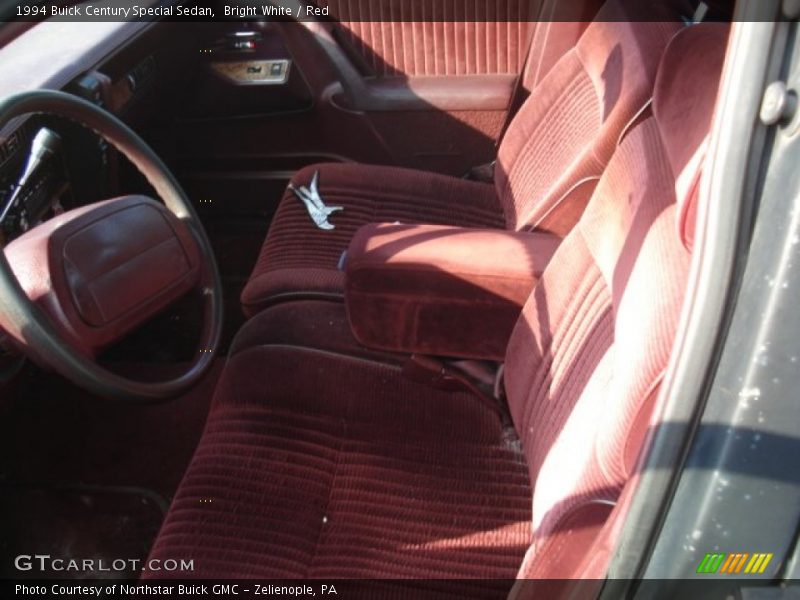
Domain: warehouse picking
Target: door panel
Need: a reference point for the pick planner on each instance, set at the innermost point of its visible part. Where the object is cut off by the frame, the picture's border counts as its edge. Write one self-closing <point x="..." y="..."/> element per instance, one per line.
<point x="430" y="37"/>
<point x="463" y="114"/>
<point x="328" y="107"/>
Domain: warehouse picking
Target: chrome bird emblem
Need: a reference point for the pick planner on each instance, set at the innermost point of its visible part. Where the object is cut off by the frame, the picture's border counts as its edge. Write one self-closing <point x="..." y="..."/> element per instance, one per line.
<point x="315" y="206"/>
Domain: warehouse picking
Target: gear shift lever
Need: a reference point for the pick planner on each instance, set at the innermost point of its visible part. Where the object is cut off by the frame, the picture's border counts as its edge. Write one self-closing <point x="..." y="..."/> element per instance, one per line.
<point x="44" y="145"/>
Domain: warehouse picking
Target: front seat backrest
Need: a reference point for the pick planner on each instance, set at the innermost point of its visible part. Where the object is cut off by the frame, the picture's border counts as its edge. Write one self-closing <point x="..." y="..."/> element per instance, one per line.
<point x="564" y="134"/>
<point x="586" y="359"/>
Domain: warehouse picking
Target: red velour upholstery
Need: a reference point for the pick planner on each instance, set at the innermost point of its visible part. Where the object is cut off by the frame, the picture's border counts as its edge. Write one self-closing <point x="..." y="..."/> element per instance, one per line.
<point x="317" y="463"/>
<point x="548" y="164"/>
<point x="684" y="128"/>
<point x="346" y="471"/>
<point x="596" y="335"/>
<point x="441" y="291"/>
<point x="299" y="259"/>
<point x="567" y="130"/>
<point x="430" y="37"/>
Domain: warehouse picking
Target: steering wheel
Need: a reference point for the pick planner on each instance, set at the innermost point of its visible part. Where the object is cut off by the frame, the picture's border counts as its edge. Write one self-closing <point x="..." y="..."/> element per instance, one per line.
<point x="84" y="279"/>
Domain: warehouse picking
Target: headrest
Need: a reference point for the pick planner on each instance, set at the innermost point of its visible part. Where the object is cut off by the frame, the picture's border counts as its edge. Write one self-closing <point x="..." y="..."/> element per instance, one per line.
<point x="683" y="104"/>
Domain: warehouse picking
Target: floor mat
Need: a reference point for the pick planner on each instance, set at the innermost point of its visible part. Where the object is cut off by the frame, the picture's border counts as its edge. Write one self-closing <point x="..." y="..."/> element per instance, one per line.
<point x="82" y="476"/>
<point x="57" y="434"/>
<point x="110" y="527"/>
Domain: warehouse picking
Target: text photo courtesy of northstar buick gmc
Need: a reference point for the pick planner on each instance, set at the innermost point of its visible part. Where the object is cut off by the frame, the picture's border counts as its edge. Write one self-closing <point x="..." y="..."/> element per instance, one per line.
<point x="419" y="299"/>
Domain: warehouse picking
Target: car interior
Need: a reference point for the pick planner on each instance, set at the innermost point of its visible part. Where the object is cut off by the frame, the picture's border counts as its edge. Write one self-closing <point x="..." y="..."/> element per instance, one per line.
<point x="352" y="298"/>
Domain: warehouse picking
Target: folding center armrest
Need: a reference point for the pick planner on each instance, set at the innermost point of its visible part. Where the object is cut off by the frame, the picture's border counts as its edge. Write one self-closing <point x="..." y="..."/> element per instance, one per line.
<point x="441" y="291"/>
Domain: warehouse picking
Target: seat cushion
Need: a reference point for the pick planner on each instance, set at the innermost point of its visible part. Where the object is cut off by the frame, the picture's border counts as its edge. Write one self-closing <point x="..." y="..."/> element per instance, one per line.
<point x="300" y="260"/>
<point x="347" y="472"/>
<point x="309" y="323"/>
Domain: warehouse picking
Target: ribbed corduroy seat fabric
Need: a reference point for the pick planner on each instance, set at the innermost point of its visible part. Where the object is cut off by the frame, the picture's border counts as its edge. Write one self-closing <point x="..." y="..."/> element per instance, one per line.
<point x="300" y="260"/>
<point x="320" y="460"/>
<point x="435" y="42"/>
<point x="323" y="482"/>
<point x="548" y="164"/>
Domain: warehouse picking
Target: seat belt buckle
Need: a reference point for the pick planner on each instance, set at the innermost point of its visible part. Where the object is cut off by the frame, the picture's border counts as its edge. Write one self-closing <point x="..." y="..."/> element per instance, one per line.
<point x="435" y="373"/>
<point x="342" y="264"/>
<point x="482" y="173"/>
<point x="431" y="372"/>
